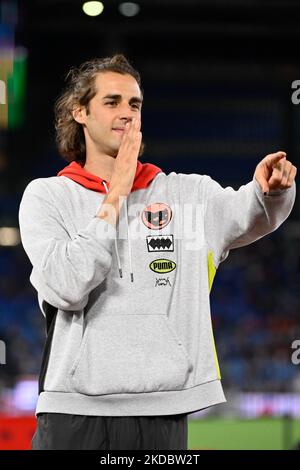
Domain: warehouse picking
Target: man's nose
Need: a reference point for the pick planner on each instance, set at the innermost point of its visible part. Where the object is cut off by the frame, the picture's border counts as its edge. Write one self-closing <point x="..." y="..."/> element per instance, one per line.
<point x="126" y="119"/>
<point x="126" y="113"/>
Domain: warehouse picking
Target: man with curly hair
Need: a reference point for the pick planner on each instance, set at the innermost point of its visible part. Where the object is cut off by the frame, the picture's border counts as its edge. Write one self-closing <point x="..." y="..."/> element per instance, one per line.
<point x="123" y="278"/>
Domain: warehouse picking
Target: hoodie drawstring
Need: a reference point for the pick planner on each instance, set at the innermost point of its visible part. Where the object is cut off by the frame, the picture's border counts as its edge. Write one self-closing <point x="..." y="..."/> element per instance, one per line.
<point x="129" y="244"/>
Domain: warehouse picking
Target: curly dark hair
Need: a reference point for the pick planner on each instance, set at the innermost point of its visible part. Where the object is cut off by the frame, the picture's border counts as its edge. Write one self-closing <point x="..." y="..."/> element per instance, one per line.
<point x="80" y="90"/>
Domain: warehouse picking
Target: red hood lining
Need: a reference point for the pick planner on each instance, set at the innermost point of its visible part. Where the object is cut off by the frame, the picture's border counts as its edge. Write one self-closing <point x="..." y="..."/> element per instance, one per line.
<point x="145" y="173"/>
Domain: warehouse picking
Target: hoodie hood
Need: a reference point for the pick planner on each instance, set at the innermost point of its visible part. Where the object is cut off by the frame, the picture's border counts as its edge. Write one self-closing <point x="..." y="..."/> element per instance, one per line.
<point x="145" y="173"/>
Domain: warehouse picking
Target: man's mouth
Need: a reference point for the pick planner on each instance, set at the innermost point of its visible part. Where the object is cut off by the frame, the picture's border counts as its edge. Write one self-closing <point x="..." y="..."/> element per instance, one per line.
<point x="119" y="130"/>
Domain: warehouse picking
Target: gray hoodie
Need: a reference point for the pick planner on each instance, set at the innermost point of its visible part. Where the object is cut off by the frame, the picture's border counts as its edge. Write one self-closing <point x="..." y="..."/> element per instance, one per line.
<point x="127" y="309"/>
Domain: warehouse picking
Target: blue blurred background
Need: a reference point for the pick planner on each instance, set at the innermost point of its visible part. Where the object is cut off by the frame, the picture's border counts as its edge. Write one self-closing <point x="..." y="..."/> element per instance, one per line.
<point x="217" y="78"/>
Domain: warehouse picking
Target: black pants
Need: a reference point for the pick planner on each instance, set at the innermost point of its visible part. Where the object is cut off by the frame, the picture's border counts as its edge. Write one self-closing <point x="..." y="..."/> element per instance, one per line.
<point x="76" y="432"/>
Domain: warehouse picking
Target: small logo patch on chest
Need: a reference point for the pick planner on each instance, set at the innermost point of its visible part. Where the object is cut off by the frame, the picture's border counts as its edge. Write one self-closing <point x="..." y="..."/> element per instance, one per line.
<point x="160" y="243"/>
<point x="157" y="215"/>
<point x="162" y="266"/>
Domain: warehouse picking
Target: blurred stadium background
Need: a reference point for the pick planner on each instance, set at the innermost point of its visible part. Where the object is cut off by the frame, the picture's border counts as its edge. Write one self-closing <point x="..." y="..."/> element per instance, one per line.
<point x="218" y="77"/>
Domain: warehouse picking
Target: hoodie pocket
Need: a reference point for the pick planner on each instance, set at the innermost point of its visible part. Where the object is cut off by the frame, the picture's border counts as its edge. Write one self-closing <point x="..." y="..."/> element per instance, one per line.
<point x="130" y="354"/>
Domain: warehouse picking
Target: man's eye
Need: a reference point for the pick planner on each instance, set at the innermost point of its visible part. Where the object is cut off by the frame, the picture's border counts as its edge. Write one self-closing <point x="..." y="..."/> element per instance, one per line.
<point x="134" y="105"/>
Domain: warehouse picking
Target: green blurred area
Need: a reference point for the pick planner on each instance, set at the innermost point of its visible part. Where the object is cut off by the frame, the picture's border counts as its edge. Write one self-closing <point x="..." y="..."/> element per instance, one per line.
<point x="243" y="434"/>
<point x="16" y="86"/>
<point x="13" y="76"/>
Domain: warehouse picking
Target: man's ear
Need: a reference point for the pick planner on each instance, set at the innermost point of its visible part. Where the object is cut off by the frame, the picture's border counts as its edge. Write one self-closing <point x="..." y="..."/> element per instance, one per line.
<point x="79" y="114"/>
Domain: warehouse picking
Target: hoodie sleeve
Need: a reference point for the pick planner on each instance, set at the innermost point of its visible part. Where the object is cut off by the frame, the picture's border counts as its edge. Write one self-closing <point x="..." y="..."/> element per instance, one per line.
<point x="235" y="218"/>
<point x="64" y="270"/>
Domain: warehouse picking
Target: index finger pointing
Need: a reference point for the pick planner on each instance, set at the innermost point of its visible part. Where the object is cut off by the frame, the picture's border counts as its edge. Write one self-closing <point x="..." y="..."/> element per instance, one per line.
<point x="274" y="158"/>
